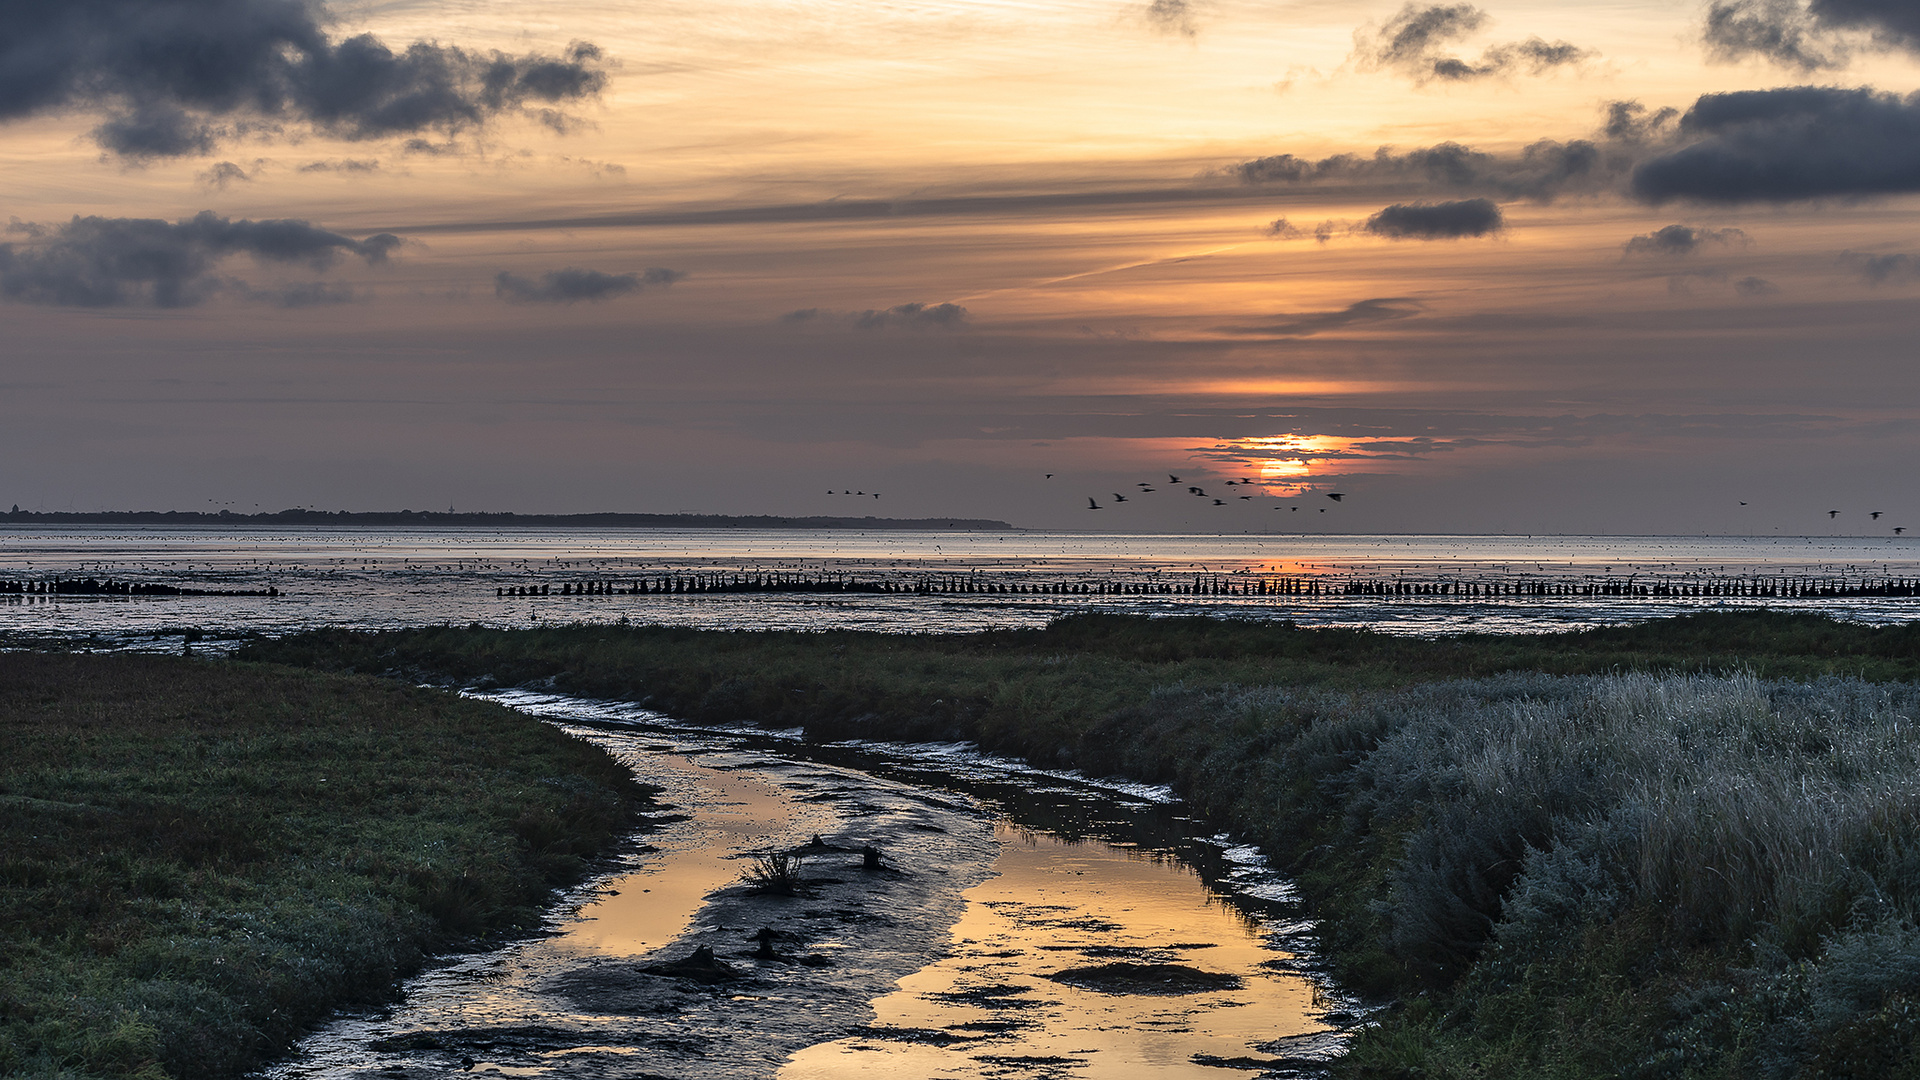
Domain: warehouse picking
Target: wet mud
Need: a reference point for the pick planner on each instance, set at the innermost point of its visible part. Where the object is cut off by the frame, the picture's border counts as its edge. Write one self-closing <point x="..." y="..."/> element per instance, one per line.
<point x="861" y="910"/>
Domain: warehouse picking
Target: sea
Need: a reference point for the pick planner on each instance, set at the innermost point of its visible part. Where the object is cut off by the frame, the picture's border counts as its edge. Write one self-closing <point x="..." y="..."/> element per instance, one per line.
<point x="141" y="588"/>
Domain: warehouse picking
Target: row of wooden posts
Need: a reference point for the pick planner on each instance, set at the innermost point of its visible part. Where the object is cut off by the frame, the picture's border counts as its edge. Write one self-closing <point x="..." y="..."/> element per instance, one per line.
<point x="1233" y="585"/>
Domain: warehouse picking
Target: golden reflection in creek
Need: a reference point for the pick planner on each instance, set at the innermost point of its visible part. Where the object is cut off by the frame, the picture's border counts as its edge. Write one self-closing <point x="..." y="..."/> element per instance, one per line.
<point x="654" y="905"/>
<point x="1055" y="906"/>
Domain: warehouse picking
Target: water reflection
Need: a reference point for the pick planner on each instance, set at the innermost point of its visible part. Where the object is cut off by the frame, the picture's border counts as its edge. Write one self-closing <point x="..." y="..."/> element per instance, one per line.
<point x="1132" y="925"/>
<point x="381" y="579"/>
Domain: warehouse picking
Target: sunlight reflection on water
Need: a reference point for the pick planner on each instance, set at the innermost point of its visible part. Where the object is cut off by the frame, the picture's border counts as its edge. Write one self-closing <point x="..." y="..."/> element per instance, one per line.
<point x="383" y="579"/>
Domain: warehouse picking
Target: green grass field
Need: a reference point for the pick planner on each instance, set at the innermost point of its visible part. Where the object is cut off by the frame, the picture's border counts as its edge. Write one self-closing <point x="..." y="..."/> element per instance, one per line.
<point x="200" y="858"/>
<point x="1686" y="849"/>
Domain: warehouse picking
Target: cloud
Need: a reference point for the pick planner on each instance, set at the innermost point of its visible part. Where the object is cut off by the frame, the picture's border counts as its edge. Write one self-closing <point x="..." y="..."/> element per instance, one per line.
<point x="1881" y="269"/>
<point x="1788" y="144"/>
<point x="1675" y="240"/>
<point x="1541" y="170"/>
<point x="573" y="284"/>
<point x="908" y="316"/>
<point x="224" y="174"/>
<point x="1436" y="221"/>
<point x="1308" y="323"/>
<point x="1814" y="36"/>
<point x="342" y="165"/>
<point x="1173" y="17"/>
<point x="1412" y="42"/>
<point x="1777" y="30"/>
<point x="179" y="77"/>
<point x="1755" y="286"/>
<point x="116" y="262"/>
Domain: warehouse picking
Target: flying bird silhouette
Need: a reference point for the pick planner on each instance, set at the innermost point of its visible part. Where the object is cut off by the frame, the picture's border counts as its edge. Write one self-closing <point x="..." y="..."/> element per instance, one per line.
<point x="1172" y="479"/>
<point x="1117" y="497"/>
<point x="1336" y="496"/>
<point x="1219" y="502"/>
<point x="1875" y="514"/>
<point x="1831" y="514"/>
<point x="1246" y="496"/>
<point x="1049" y="476"/>
<point x="1091" y="505"/>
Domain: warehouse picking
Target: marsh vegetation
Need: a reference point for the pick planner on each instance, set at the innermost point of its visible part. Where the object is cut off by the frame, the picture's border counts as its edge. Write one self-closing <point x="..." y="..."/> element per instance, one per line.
<point x="1685" y="849"/>
<point x="200" y="859"/>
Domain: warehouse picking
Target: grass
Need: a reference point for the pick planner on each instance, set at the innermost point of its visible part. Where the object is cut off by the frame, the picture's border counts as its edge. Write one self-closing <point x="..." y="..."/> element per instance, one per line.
<point x="201" y="859"/>
<point x="1685" y="849"/>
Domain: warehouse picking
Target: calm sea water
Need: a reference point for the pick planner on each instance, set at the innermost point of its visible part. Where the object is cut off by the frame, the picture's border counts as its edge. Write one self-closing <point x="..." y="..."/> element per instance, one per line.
<point x="385" y="578"/>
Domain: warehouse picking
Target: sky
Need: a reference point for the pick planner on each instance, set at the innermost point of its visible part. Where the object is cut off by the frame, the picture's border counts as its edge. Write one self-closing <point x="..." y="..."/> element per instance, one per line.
<point x="1525" y="267"/>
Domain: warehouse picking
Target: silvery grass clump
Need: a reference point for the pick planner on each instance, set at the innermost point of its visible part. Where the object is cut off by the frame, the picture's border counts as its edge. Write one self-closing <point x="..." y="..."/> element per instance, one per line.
<point x="1777" y="820"/>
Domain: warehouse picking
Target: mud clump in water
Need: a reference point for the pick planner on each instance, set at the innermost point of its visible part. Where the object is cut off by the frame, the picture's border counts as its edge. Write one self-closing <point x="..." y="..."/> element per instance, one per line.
<point x="701" y="967"/>
<point x="1124" y="978"/>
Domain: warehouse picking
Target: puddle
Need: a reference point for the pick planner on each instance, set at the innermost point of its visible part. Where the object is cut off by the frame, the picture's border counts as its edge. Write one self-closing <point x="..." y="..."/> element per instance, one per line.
<point x="736" y="811"/>
<point x="1116" y="918"/>
<point x="932" y="959"/>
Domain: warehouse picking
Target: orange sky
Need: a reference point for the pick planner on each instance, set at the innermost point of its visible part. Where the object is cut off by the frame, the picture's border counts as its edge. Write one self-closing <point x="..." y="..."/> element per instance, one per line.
<point x="943" y="249"/>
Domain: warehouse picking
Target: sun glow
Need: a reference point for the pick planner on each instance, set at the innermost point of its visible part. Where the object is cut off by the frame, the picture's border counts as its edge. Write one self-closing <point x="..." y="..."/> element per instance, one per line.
<point x="1284" y="462"/>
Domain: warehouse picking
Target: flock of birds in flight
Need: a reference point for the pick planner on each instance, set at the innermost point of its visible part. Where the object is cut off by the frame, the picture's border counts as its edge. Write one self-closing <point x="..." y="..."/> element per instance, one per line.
<point x="1200" y="492"/>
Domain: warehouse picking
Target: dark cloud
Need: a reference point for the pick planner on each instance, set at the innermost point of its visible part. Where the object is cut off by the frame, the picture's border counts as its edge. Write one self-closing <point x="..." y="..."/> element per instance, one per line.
<point x="1813" y="36"/>
<point x="1413" y="43"/>
<point x="176" y="77"/>
<point x="223" y="174"/>
<point x="573" y="284"/>
<point x="1683" y="240"/>
<point x="910" y="316"/>
<point x="110" y="262"/>
<point x="1787" y="144"/>
<point x="1631" y="123"/>
<point x="342" y="165"/>
<point x="1282" y="229"/>
<point x="1173" y="17"/>
<point x="1540" y="171"/>
<point x="1436" y="221"/>
<point x="1778" y="30"/>
<point x="1308" y="323"/>
<point x="1881" y="269"/>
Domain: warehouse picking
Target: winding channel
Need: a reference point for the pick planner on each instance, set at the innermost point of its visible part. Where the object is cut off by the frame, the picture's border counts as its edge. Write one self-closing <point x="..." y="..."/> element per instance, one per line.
<point x="1016" y="923"/>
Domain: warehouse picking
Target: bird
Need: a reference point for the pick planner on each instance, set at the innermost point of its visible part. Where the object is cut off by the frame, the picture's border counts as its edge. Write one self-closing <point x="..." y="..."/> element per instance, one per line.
<point x="1293" y="508"/>
<point x="1049" y="476"/>
<point x="1172" y="479"/>
<point x="876" y="494"/>
<point x="1091" y="505"/>
<point x="1743" y="502"/>
<point x="1195" y="491"/>
<point x="1875" y="514"/>
<point x="1145" y="488"/>
<point x="1323" y="509"/>
<point x="1231" y="483"/>
<point x="1246" y="496"/>
<point x="1117" y="497"/>
<point x="1898" y="529"/>
<point x="1219" y="502"/>
<point x="1831" y="514"/>
<point x="1336" y="496"/>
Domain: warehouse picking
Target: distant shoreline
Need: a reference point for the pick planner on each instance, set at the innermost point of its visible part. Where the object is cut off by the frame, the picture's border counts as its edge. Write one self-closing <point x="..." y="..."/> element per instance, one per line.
<point x="439" y="518"/>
